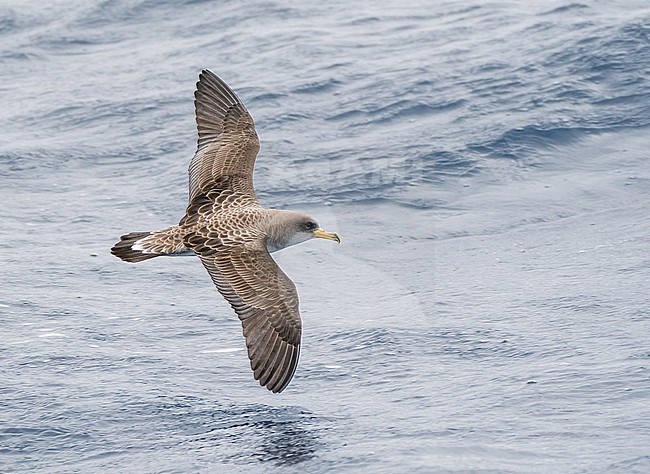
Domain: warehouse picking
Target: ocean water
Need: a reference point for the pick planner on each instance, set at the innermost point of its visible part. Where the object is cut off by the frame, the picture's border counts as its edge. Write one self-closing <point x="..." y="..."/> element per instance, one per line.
<point x="486" y="163"/>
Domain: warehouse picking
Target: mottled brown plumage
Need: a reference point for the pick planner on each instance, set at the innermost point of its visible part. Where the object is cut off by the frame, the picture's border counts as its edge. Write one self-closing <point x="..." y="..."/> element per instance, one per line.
<point x="232" y="234"/>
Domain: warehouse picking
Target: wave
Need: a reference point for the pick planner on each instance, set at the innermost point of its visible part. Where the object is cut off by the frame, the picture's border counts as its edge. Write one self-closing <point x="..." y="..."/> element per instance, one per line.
<point x="434" y="109"/>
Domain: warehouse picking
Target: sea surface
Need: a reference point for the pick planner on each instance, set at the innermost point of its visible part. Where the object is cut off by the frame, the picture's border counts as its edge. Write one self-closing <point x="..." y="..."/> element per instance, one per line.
<point x="486" y="163"/>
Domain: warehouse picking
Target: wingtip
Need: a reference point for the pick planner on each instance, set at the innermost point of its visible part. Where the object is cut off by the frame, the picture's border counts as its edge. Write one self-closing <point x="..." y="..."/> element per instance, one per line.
<point x="274" y="387"/>
<point x="206" y="73"/>
<point x="203" y="75"/>
<point x="278" y="383"/>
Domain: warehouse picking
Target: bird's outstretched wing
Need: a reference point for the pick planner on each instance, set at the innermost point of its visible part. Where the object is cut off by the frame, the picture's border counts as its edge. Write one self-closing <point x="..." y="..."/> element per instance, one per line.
<point x="221" y="174"/>
<point x="227" y="144"/>
<point x="266" y="301"/>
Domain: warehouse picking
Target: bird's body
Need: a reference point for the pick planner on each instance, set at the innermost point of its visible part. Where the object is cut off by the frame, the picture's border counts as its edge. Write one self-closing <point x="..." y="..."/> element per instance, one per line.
<point x="232" y="234"/>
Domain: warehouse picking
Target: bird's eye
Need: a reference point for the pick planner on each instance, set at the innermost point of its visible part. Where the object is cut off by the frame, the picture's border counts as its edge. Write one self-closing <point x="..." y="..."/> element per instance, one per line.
<point x="310" y="225"/>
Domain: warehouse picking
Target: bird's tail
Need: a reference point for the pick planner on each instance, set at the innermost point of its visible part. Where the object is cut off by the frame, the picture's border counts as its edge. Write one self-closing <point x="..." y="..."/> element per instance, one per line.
<point x="138" y="246"/>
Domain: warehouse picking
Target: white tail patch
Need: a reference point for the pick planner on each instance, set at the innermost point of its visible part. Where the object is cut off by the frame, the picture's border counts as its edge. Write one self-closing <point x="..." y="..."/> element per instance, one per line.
<point x="138" y="245"/>
<point x="145" y="246"/>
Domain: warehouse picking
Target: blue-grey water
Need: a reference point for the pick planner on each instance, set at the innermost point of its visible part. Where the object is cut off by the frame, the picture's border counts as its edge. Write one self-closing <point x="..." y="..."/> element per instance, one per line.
<point x="487" y="164"/>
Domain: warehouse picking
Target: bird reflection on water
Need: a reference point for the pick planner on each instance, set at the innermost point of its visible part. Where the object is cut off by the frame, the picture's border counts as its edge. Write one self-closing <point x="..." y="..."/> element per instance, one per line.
<point x="255" y="433"/>
<point x="286" y="442"/>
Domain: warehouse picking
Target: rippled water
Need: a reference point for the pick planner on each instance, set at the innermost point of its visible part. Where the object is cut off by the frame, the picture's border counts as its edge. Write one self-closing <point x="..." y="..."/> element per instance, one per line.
<point x="485" y="163"/>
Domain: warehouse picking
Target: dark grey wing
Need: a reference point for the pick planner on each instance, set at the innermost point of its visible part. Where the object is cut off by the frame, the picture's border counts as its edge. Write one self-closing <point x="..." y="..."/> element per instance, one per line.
<point x="266" y="301"/>
<point x="227" y="144"/>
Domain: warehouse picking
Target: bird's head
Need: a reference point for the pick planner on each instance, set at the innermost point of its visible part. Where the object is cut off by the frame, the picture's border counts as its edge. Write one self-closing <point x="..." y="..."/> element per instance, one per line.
<point x="290" y="228"/>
